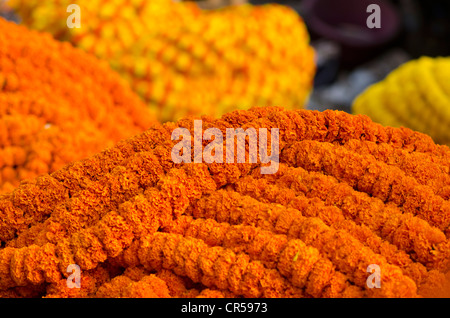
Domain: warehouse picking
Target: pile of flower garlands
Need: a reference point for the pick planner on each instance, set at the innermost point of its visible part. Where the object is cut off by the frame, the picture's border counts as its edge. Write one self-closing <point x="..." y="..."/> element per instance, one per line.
<point x="348" y="193"/>
<point x="182" y="60"/>
<point x="57" y="104"/>
<point x="415" y="95"/>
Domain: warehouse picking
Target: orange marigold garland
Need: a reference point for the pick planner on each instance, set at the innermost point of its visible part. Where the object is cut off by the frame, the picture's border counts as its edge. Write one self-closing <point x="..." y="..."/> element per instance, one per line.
<point x="124" y="287"/>
<point x="366" y="174"/>
<point x="57" y="105"/>
<point x="273" y="250"/>
<point x="333" y="202"/>
<point x="198" y="229"/>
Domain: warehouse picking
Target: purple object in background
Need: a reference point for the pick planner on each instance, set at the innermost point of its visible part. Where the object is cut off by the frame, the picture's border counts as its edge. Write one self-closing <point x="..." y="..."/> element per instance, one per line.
<point x="345" y="22"/>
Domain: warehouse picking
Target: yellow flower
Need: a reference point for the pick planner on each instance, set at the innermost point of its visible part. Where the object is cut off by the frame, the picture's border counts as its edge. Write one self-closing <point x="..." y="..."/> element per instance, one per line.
<point x="415" y="95"/>
<point x="210" y="52"/>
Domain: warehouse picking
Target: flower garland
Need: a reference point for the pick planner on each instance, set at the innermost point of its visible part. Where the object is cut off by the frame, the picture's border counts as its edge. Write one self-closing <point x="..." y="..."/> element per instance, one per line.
<point x="415" y="95"/>
<point x="309" y="270"/>
<point x="366" y="174"/>
<point x="124" y="287"/>
<point x="52" y="112"/>
<point x="307" y="230"/>
<point x="427" y="170"/>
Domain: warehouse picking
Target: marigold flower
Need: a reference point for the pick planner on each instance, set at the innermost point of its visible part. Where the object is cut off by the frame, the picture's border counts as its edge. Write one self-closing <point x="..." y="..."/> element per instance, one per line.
<point x="388" y="183"/>
<point x="186" y="61"/>
<point x="388" y="223"/>
<point x="292" y="258"/>
<point x="187" y="254"/>
<point x="52" y="112"/>
<point x="415" y="95"/>
<point x="124" y="287"/>
<point x="140" y="225"/>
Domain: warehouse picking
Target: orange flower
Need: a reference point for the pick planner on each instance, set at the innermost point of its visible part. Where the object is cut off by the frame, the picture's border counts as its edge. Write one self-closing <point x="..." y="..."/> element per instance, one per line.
<point x="302" y="265"/>
<point x="312" y="229"/>
<point x="57" y="104"/>
<point x="365" y="173"/>
<point x="186" y="61"/>
<point x="124" y="287"/>
<point x="213" y="266"/>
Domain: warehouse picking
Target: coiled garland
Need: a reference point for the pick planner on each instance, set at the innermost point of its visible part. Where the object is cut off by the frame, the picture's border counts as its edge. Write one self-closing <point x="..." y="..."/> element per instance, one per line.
<point x="348" y="193"/>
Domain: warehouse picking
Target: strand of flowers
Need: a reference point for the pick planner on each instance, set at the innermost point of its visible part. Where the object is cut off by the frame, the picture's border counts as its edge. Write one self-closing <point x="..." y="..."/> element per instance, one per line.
<point x="86" y="207"/>
<point x="337" y="126"/>
<point x="302" y="265"/>
<point x="108" y="237"/>
<point x="426" y="169"/>
<point x="215" y="267"/>
<point x="262" y="190"/>
<point x="301" y="124"/>
<point x="136" y="282"/>
<point x="51" y="190"/>
<point x="348" y="254"/>
<point x="216" y="274"/>
<point x="178" y="285"/>
<point x="90" y="282"/>
<point x="332" y="126"/>
<point x="428" y="244"/>
<point x="376" y="178"/>
<point x="149" y="286"/>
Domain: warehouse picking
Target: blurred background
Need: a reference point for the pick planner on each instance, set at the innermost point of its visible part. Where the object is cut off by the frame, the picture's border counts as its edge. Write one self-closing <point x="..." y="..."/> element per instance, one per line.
<point x="349" y="56"/>
<point x="348" y="63"/>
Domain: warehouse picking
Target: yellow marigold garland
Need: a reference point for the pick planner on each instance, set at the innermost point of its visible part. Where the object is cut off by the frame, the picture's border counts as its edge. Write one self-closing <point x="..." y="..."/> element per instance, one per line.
<point x="415" y="95"/>
<point x="57" y="104"/>
<point x="182" y="60"/>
